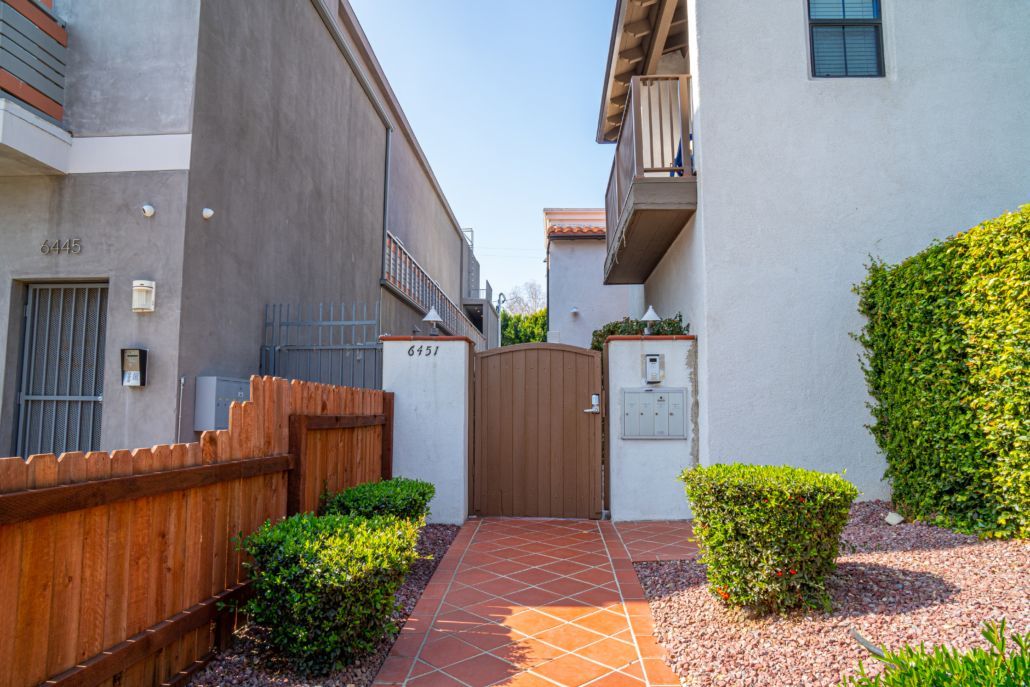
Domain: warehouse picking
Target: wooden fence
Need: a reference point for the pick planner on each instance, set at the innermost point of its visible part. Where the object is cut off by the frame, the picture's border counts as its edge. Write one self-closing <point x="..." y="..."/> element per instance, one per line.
<point x="114" y="568"/>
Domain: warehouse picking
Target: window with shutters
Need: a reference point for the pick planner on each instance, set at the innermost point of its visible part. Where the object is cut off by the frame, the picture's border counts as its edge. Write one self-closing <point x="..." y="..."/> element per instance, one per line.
<point x="846" y="38"/>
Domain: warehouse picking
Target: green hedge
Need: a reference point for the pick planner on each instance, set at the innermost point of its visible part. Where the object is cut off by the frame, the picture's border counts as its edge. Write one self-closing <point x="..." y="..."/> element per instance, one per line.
<point x="627" y="326"/>
<point x="400" y="496"/>
<point x="769" y="535"/>
<point x="997" y="666"/>
<point x="947" y="361"/>
<point x="324" y="586"/>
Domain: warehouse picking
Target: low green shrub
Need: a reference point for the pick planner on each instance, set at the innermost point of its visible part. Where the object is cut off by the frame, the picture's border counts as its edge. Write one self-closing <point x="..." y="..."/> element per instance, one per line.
<point x="400" y="496"/>
<point x="324" y="586"/>
<point x="769" y="535"/>
<point x="996" y="666"/>
<point x="627" y="326"/>
<point x="947" y="362"/>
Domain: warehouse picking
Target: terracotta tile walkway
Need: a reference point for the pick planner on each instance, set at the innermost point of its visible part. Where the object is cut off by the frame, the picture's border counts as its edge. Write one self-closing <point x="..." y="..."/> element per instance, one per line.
<point x="659" y="540"/>
<point x="527" y="603"/>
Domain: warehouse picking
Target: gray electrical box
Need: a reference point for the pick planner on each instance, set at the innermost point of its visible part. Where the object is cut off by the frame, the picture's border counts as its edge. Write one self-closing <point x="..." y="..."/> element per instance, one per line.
<point x="654" y="414"/>
<point x="214" y="396"/>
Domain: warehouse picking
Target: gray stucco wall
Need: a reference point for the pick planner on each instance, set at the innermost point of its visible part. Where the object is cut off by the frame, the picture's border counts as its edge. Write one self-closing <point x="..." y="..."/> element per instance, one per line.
<point x="132" y="65"/>
<point x="420" y="220"/>
<point x="399" y="318"/>
<point x="118" y="245"/>
<point x="290" y="154"/>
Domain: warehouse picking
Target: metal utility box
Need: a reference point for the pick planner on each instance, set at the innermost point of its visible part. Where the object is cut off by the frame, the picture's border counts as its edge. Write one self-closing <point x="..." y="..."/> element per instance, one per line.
<point x="654" y="414"/>
<point x="214" y="396"/>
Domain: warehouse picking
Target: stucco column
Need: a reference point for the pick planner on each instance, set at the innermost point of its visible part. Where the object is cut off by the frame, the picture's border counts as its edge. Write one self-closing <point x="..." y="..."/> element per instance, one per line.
<point x="431" y="379"/>
<point x="644" y="468"/>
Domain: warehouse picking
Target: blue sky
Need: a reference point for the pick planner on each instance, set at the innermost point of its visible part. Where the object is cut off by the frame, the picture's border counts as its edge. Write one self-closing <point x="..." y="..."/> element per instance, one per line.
<point x="503" y="96"/>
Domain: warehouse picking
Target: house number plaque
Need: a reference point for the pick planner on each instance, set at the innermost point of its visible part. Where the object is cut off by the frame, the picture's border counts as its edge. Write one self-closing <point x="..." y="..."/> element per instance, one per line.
<point x="58" y="246"/>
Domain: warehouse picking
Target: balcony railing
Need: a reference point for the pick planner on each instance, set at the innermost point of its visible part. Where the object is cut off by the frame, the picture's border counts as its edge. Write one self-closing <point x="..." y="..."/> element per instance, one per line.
<point x="33" y="55"/>
<point x="655" y="139"/>
<point x="411" y="282"/>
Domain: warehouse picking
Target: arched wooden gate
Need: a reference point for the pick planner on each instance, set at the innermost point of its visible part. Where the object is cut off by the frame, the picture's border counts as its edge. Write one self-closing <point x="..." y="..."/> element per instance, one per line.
<point x="537" y="438"/>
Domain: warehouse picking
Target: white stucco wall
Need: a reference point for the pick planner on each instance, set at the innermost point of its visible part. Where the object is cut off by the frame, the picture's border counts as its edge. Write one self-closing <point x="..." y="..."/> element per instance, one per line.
<point x="431" y="413"/>
<point x="801" y="179"/>
<point x="643" y="471"/>
<point x="576" y="280"/>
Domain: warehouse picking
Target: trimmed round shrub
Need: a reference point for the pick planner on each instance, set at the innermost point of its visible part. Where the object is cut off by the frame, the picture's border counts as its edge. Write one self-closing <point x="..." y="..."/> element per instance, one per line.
<point x="999" y="665"/>
<point x="769" y="535"/>
<point x="324" y="586"/>
<point x="400" y="497"/>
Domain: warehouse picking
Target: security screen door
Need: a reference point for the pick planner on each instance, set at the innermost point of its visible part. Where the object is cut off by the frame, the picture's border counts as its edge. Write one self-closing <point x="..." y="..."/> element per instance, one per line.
<point x="62" y="368"/>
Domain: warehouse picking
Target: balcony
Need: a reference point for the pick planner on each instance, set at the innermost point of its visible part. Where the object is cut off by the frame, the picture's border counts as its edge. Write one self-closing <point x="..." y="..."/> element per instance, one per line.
<point x="33" y="55"/>
<point x="652" y="190"/>
<point x="408" y="280"/>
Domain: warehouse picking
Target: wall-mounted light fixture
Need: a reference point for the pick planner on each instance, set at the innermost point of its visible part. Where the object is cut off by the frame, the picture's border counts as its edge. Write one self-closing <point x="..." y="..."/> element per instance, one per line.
<point x="649" y="317"/>
<point x="143" y="295"/>
<point x="207" y="213"/>
<point x="432" y="317"/>
<point x="147" y="210"/>
<point x="574" y="312"/>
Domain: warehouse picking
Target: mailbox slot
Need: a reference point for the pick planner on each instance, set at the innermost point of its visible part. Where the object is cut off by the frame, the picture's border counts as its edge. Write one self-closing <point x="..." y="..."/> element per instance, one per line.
<point x="134" y="367"/>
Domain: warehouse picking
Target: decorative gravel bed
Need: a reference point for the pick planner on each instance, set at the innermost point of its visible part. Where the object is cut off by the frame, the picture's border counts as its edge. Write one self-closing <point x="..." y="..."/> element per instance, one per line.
<point x="910" y="582"/>
<point x="251" y="663"/>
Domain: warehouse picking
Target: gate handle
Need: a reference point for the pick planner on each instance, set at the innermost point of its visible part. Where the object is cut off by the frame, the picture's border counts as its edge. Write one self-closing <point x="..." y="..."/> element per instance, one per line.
<point x="595" y="404"/>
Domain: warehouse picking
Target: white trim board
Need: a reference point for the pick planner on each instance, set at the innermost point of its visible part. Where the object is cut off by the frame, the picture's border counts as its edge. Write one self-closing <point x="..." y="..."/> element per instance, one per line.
<point x="30" y="144"/>
<point x="145" y="153"/>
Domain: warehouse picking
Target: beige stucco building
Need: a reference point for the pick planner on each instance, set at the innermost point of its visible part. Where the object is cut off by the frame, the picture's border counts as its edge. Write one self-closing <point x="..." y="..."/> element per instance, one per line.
<point x="577" y="303"/>
<point x="764" y="151"/>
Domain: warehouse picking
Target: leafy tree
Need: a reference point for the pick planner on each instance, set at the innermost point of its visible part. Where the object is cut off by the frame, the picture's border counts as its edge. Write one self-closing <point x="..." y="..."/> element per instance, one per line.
<point x="519" y="328"/>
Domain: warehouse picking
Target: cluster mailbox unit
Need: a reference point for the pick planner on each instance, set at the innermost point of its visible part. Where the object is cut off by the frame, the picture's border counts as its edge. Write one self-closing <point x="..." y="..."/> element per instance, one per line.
<point x="654" y="414"/>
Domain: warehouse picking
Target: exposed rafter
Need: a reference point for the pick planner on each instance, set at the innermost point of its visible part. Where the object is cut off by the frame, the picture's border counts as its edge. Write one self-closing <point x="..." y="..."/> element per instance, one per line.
<point x="633" y="55"/>
<point x="680" y="16"/>
<point x="656" y="47"/>
<point x="638" y="29"/>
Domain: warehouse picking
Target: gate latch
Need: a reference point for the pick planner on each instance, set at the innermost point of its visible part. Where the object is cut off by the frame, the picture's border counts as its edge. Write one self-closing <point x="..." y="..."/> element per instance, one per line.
<point x="595" y="404"/>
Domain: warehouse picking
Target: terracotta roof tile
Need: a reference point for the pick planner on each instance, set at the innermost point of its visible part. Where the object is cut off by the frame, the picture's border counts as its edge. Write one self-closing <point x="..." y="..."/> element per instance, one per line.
<point x="584" y="230"/>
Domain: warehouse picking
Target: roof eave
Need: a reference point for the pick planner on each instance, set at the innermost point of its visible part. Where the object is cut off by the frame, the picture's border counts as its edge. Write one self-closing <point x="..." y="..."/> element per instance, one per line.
<point x="615" y="41"/>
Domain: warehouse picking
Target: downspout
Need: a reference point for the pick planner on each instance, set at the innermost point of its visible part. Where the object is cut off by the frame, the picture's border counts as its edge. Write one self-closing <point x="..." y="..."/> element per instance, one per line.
<point x="386" y="217"/>
<point x="547" y="286"/>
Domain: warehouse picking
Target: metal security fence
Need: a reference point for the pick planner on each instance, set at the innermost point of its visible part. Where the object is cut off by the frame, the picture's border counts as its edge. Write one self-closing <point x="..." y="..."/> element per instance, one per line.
<point x="330" y="343"/>
<point x="62" y="368"/>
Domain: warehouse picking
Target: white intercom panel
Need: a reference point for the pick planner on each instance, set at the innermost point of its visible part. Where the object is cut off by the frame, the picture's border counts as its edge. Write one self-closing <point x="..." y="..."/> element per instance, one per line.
<point x="654" y="368"/>
<point x="654" y="413"/>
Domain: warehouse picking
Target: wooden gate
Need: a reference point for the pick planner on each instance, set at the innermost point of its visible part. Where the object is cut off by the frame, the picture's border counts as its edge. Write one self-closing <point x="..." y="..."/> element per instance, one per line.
<point x="536" y="452"/>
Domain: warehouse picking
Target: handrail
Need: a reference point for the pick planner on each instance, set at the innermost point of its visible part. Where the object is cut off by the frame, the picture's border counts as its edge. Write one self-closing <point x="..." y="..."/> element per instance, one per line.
<point x="412" y="282"/>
